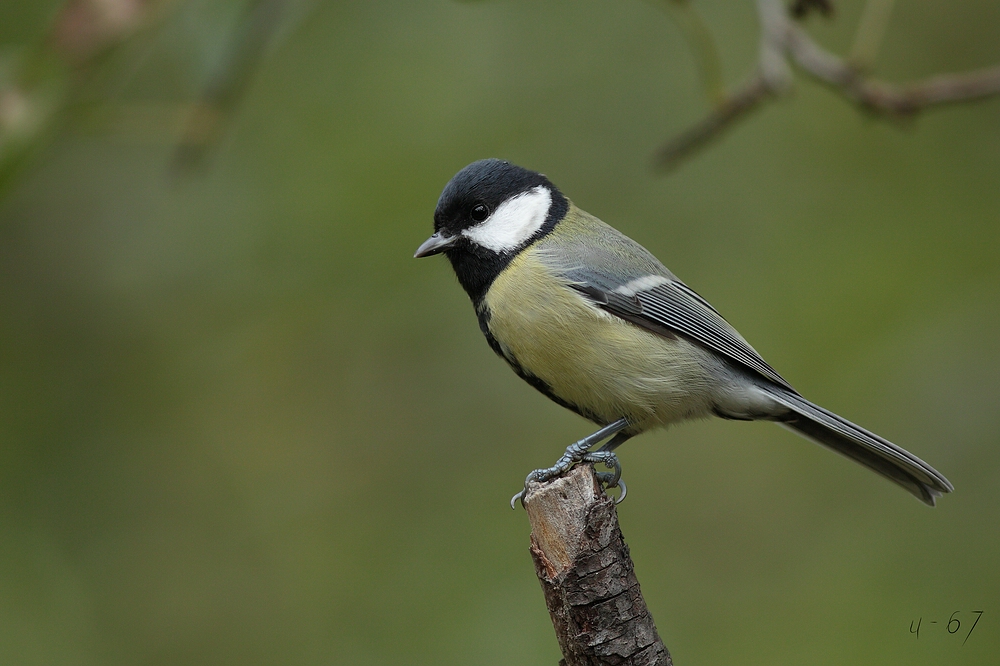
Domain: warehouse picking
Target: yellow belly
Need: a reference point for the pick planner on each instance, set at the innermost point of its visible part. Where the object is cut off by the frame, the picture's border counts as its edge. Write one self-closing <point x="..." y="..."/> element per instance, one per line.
<point x="600" y="363"/>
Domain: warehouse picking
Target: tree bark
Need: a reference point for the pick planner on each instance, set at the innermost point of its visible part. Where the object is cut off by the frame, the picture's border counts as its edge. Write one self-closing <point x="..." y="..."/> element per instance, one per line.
<point x="587" y="576"/>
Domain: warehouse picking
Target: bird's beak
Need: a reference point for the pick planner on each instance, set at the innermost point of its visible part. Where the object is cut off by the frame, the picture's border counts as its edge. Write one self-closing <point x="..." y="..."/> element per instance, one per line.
<point x="435" y="244"/>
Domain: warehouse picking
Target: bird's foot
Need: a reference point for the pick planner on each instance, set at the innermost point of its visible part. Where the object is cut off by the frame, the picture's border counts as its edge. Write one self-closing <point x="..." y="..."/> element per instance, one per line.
<point x="580" y="452"/>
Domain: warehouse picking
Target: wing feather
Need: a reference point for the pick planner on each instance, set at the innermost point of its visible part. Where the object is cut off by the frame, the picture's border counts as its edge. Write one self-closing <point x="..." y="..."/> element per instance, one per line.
<point x="675" y="306"/>
<point x="623" y="278"/>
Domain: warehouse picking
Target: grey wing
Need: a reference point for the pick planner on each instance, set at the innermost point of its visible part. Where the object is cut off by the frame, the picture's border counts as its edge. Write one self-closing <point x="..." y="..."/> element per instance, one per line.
<point x="678" y="307"/>
<point x="659" y="302"/>
<point x="626" y="280"/>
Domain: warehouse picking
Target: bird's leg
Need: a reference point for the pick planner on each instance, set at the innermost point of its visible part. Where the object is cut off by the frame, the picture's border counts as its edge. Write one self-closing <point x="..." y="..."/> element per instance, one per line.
<point x="580" y="452"/>
<point x="616" y="441"/>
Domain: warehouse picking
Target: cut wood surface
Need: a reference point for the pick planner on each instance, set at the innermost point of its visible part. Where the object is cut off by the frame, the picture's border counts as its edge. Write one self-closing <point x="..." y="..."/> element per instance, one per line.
<point x="587" y="576"/>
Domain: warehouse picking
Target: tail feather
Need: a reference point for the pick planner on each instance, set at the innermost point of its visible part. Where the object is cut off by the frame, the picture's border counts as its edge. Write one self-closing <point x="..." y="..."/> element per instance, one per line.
<point x="877" y="454"/>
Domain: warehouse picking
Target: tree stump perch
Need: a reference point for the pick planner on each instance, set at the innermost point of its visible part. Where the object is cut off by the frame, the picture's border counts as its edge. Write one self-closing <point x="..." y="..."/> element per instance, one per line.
<point x="587" y="576"/>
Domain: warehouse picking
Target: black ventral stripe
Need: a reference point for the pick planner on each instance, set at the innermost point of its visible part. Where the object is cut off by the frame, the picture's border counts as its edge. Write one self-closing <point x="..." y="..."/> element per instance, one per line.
<point x="483" y="314"/>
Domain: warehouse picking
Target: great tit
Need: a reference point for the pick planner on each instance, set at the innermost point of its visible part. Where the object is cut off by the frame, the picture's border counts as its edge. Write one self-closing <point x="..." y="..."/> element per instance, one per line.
<point x="594" y="321"/>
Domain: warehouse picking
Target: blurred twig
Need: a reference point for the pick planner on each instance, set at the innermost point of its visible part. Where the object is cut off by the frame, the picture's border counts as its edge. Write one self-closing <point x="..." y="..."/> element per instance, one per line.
<point x="85" y="29"/>
<point x="702" y="44"/>
<point x="784" y="42"/>
<point x="47" y="83"/>
<point x="871" y="29"/>
<point x="214" y="109"/>
<point x="37" y="87"/>
<point x="735" y="105"/>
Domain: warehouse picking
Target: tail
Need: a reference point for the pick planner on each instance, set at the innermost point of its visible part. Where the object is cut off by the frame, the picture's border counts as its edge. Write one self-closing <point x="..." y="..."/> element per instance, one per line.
<point x="877" y="454"/>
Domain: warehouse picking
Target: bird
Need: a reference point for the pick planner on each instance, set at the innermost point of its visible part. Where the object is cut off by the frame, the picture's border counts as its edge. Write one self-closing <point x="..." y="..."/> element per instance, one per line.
<point x="594" y="321"/>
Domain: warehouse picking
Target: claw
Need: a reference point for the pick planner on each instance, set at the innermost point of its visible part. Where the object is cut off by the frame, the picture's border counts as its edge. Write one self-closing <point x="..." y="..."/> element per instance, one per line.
<point x="609" y="481"/>
<point x="517" y="496"/>
<point x="621" y="498"/>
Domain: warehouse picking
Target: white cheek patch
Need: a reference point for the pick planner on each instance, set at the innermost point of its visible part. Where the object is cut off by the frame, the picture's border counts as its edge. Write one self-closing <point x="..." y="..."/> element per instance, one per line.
<point x="513" y="222"/>
<point x="644" y="283"/>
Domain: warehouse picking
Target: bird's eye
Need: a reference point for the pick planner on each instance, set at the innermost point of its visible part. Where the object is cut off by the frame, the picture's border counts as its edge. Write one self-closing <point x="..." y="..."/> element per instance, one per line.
<point x="480" y="212"/>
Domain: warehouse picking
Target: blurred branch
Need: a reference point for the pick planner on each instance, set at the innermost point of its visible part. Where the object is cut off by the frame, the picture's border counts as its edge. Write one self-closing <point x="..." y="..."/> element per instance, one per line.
<point x="871" y="30"/>
<point x="53" y="80"/>
<point x="784" y="42"/>
<point x="587" y="575"/>
<point x="734" y="106"/>
<point x="882" y="97"/>
<point x="702" y="44"/>
<point x="37" y="87"/>
<point x="85" y="29"/>
<point x="215" y="108"/>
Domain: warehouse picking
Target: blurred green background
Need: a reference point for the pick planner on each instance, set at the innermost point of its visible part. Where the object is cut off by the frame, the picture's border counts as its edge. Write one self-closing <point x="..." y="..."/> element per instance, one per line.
<point x="240" y="425"/>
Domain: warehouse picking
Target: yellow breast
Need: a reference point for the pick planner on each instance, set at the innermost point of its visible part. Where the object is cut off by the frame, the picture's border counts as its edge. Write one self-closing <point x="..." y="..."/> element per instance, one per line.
<point x="598" y="362"/>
